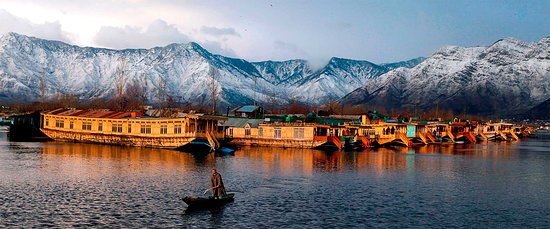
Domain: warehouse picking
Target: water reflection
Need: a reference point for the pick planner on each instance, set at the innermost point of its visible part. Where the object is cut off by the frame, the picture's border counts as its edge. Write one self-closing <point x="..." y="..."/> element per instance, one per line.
<point x="380" y="160"/>
<point x="69" y="185"/>
<point x="164" y="157"/>
<point x="80" y="160"/>
<point x="286" y="161"/>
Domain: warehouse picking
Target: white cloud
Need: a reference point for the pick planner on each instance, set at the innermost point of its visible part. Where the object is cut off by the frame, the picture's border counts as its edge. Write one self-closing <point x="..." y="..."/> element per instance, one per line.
<point x="218" y="48"/>
<point x="218" y="32"/>
<point x="47" y="30"/>
<point x="158" y="33"/>
<point x="287" y="46"/>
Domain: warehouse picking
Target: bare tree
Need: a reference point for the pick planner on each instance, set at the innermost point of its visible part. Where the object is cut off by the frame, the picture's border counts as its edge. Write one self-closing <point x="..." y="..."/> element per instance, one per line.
<point x="135" y="95"/>
<point x="118" y="101"/>
<point x="213" y="86"/>
<point x="161" y="92"/>
<point x="332" y="106"/>
<point x="273" y="101"/>
<point x="120" y="78"/>
<point x="42" y="87"/>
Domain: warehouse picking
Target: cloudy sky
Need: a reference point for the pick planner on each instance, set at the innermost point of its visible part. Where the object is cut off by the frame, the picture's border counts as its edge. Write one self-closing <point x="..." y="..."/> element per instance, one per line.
<point x="379" y="31"/>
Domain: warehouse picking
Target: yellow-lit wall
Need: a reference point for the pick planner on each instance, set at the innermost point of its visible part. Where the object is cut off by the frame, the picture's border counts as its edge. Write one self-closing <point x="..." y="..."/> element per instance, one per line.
<point x="268" y="132"/>
<point x="188" y="125"/>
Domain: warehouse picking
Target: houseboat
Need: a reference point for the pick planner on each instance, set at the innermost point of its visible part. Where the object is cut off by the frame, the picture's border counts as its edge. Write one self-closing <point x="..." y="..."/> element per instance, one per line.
<point x="256" y="132"/>
<point x="130" y="128"/>
<point x="499" y="132"/>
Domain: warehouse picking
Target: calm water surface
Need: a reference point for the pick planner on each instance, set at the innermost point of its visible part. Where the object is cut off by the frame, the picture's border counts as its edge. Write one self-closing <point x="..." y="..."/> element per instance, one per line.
<point x="69" y="185"/>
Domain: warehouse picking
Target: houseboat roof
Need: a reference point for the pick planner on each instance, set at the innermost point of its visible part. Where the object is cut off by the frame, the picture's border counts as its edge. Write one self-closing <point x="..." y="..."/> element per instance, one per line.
<point x="241" y="122"/>
<point x="118" y="114"/>
<point x="348" y="117"/>
<point x="247" y="109"/>
<point x="92" y="113"/>
<point x="331" y="121"/>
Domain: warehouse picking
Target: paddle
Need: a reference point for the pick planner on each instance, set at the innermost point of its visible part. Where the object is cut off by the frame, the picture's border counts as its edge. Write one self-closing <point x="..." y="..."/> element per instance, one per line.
<point x="205" y="191"/>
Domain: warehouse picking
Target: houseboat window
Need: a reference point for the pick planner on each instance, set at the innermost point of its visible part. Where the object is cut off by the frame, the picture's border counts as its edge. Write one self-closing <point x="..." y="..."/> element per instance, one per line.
<point x="59" y="123"/>
<point x="117" y="128"/>
<point x="86" y="125"/>
<point x="277" y="133"/>
<point x="247" y="131"/>
<point x="261" y="132"/>
<point x="129" y="128"/>
<point x="299" y="133"/>
<point x="163" y="129"/>
<point x="47" y="122"/>
<point x="100" y="126"/>
<point x="145" y="129"/>
<point x="71" y="124"/>
<point x="177" y="129"/>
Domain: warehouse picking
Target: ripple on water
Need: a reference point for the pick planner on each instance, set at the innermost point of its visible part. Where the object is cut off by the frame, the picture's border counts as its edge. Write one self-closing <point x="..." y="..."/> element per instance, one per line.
<point x="84" y="185"/>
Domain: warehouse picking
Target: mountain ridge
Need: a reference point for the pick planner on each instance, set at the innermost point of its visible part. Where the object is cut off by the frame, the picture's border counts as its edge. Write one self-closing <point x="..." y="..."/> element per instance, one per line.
<point x="508" y="77"/>
<point x="182" y="71"/>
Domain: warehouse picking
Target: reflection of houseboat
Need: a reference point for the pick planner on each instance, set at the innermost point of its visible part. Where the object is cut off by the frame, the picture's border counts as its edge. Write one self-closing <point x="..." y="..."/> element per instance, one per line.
<point x="127" y="128"/>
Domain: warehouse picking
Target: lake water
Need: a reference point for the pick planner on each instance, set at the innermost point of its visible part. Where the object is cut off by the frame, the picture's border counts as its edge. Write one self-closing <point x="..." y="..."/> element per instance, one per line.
<point x="496" y="185"/>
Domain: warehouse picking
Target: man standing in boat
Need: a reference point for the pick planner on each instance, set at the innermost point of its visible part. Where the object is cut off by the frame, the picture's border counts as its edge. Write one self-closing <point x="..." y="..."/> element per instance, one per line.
<point x="216" y="184"/>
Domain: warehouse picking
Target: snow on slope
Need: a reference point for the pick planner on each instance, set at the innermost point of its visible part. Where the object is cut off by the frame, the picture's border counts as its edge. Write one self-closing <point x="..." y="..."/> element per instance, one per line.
<point x="508" y="77"/>
<point x="32" y="68"/>
<point x="404" y="64"/>
<point x="336" y="79"/>
<point x="183" y="71"/>
<point x="283" y="72"/>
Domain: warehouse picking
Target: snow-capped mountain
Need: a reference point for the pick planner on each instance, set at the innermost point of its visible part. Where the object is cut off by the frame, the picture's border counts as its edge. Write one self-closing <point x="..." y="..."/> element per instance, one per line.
<point x="31" y="66"/>
<point x="283" y="72"/>
<point x="405" y="64"/>
<point x="508" y="77"/>
<point x="32" y="69"/>
<point x="336" y="79"/>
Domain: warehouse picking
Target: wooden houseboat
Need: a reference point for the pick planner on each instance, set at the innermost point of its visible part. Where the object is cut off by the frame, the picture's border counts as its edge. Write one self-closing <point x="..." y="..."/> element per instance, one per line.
<point x="254" y="132"/>
<point x="128" y="128"/>
<point x="464" y="132"/>
<point x="498" y="132"/>
<point x="369" y="133"/>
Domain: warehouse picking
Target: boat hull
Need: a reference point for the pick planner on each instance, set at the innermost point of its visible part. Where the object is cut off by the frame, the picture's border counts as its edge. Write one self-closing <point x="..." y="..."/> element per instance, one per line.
<point x="206" y="203"/>
<point x="118" y="139"/>
<point x="276" y="142"/>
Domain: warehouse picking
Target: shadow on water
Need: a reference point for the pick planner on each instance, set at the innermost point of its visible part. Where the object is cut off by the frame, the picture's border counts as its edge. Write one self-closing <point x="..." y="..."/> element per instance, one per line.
<point x="214" y="211"/>
<point x="214" y="217"/>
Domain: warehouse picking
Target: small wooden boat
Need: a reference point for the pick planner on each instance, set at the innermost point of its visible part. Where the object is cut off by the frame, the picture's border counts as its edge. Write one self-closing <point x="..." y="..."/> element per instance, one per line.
<point x="209" y="202"/>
